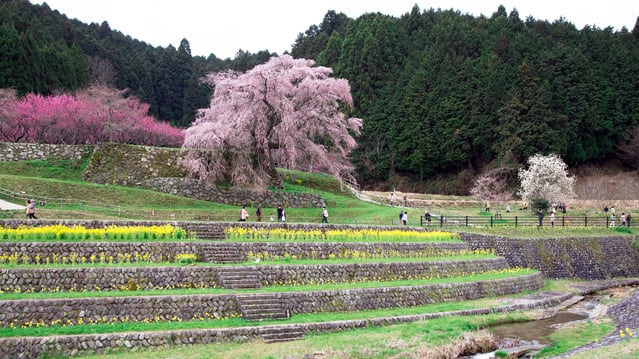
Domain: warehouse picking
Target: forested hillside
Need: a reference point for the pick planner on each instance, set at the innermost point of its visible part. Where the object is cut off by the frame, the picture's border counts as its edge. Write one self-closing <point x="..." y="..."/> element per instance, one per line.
<point x="442" y="94"/>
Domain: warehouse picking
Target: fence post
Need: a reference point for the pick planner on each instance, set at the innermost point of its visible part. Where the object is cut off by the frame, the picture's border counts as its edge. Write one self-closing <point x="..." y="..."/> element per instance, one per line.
<point x="515" y="221"/>
<point x="586" y="221"/>
<point x="441" y="221"/>
<point x="466" y="221"/>
<point x="491" y="221"/>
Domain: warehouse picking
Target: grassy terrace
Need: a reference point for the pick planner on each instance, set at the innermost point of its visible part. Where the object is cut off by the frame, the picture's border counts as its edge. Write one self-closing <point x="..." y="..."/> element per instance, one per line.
<point x="205" y="323"/>
<point x="52" y="293"/>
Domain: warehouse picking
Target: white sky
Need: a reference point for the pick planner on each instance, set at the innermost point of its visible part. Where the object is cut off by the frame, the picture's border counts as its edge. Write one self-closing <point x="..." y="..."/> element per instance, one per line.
<point x="224" y="27"/>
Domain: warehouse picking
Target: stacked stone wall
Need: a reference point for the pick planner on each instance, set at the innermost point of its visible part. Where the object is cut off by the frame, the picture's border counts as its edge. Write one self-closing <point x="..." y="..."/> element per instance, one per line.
<point x="169" y="277"/>
<point x="188" y="307"/>
<point x="585" y="258"/>
<point x="18" y="151"/>
<point x="35" y="347"/>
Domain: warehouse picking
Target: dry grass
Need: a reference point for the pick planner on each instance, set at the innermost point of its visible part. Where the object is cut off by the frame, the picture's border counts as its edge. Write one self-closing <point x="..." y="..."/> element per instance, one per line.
<point x="481" y="341"/>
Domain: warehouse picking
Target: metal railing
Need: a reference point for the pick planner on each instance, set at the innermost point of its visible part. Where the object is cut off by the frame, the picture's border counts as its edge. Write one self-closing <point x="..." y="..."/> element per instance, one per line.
<point x="500" y="220"/>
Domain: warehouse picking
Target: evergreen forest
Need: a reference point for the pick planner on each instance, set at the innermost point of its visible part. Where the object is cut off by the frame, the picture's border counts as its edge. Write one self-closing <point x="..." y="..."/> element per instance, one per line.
<point x="442" y="94"/>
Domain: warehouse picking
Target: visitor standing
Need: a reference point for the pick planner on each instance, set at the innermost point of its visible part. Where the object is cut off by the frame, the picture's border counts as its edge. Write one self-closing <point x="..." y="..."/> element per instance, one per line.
<point x="552" y="219"/>
<point x="427" y="217"/>
<point x="622" y="219"/>
<point x="258" y="213"/>
<point x="405" y="217"/>
<point x="405" y="201"/>
<point x="280" y="213"/>
<point x="391" y="199"/>
<point x="540" y="213"/>
<point x="324" y="215"/>
<point x="487" y="206"/>
<point x="628" y="218"/>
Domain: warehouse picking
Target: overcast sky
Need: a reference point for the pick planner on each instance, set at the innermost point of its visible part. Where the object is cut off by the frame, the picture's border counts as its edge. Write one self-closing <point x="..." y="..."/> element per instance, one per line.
<point x="224" y="27"/>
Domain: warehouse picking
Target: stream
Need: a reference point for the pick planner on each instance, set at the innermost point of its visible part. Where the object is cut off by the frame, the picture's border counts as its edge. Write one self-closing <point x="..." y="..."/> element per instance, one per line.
<point x="531" y="336"/>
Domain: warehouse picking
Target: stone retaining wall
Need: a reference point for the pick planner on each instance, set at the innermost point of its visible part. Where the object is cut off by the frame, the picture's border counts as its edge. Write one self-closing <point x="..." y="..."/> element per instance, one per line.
<point x="36" y="347"/>
<point x="12" y="151"/>
<point x="159" y="169"/>
<point x="188" y="307"/>
<point x="126" y="278"/>
<point x="114" y="252"/>
<point x="584" y="258"/>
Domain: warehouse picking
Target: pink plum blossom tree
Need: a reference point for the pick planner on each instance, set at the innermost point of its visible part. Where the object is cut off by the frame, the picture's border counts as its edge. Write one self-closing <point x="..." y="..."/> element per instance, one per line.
<point x="96" y="114"/>
<point x="283" y="113"/>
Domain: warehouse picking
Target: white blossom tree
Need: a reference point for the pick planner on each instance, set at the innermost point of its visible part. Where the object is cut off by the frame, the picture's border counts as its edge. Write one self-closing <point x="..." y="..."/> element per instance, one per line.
<point x="546" y="177"/>
<point x="286" y="112"/>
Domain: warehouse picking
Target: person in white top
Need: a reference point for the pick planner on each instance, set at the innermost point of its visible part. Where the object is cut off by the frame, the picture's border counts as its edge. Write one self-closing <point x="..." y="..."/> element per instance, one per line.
<point x="324" y="215"/>
<point x="243" y="214"/>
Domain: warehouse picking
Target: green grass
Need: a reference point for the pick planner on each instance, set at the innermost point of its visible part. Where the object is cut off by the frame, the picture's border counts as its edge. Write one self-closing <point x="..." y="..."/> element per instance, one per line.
<point x="575" y="336"/>
<point x="398" y="341"/>
<point x="58" y="180"/>
<point x="70" y="170"/>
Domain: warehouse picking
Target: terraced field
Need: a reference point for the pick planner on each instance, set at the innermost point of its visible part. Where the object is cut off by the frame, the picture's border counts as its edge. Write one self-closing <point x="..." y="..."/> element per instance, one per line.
<point x="215" y="282"/>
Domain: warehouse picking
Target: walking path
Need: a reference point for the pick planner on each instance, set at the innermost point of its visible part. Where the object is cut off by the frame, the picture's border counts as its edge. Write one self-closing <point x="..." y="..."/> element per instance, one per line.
<point x="4" y="205"/>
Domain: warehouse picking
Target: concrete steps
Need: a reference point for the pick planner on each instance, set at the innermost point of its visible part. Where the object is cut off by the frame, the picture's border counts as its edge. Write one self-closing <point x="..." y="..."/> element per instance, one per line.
<point x="257" y="307"/>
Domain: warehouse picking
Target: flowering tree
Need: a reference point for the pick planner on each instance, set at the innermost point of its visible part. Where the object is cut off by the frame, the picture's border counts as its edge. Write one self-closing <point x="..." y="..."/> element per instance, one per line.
<point x="495" y="184"/>
<point x="285" y="112"/>
<point x="94" y="115"/>
<point x="546" y="177"/>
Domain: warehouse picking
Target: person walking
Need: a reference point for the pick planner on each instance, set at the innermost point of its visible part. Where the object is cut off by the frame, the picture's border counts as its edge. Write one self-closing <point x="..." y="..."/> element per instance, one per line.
<point x="552" y="219"/>
<point x="324" y="215"/>
<point x="405" y="217"/>
<point x="31" y="209"/>
<point x="628" y="218"/>
<point x="540" y="213"/>
<point x="243" y="214"/>
<point x="427" y="217"/>
<point x="622" y="219"/>
<point x="391" y="199"/>
<point x="487" y="206"/>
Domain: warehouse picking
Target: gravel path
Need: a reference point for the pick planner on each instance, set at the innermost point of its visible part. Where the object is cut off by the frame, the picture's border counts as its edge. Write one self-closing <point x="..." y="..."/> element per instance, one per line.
<point x="8" y="205"/>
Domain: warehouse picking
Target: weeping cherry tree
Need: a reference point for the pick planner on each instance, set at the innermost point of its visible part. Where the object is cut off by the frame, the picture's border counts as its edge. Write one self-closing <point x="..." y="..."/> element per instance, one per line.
<point x="283" y="113"/>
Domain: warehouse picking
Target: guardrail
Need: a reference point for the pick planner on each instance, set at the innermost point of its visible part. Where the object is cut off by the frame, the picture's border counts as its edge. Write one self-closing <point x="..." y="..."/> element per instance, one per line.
<point x="500" y="220"/>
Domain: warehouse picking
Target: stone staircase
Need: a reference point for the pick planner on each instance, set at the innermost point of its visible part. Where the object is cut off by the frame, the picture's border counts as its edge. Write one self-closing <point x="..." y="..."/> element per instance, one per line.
<point x="282" y="334"/>
<point x="204" y="231"/>
<point x="222" y="252"/>
<point x="238" y="278"/>
<point x="257" y="307"/>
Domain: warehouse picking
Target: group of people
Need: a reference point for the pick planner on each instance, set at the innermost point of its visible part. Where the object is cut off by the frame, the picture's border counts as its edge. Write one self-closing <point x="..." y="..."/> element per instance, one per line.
<point x="281" y="214"/>
<point x="624" y="219"/>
